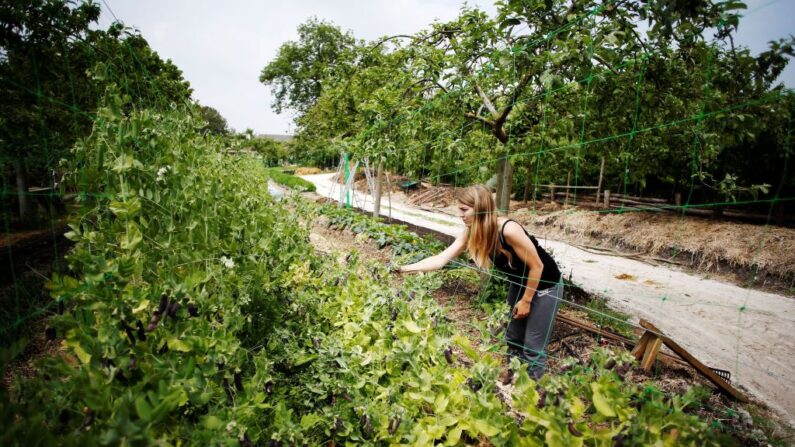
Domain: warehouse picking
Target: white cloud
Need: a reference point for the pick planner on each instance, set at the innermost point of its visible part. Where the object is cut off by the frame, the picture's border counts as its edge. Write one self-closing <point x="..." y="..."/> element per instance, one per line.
<point x="221" y="47"/>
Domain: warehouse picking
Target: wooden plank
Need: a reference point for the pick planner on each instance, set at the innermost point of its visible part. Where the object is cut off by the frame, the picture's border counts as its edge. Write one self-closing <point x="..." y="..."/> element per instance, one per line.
<point x="700" y="367"/>
<point x="640" y="348"/>
<point x="591" y="328"/>
<point x="650" y="353"/>
<point x="666" y="358"/>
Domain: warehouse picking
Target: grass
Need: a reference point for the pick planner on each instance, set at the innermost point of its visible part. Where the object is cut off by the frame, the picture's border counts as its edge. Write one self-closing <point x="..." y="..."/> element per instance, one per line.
<point x="290" y="181"/>
<point x="598" y="311"/>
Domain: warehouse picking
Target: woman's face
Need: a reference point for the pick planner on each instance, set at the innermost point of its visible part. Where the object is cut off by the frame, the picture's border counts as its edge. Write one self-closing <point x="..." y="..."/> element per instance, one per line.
<point x="466" y="213"/>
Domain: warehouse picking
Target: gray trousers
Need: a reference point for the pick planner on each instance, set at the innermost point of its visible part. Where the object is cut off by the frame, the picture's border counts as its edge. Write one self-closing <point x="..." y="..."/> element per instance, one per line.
<point x="528" y="337"/>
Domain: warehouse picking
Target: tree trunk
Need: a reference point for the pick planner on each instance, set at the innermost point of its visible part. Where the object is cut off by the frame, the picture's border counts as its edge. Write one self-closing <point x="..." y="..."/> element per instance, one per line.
<point x="526" y="187"/>
<point x="509" y="184"/>
<point x="504" y="195"/>
<point x="22" y="190"/>
<point x="379" y="180"/>
<point x="500" y="179"/>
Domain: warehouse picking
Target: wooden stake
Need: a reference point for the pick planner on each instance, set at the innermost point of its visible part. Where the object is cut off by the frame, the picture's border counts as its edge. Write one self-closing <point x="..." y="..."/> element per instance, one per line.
<point x="568" y="188"/>
<point x="640" y="348"/>
<point x="379" y="179"/>
<point x="389" y="194"/>
<point x="650" y="353"/>
<point x="599" y="185"/>
<point x="695" y="363"/>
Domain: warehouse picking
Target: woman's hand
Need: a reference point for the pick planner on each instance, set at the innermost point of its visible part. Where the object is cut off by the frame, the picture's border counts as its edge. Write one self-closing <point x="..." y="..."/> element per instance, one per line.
<point x="521" y="309"/>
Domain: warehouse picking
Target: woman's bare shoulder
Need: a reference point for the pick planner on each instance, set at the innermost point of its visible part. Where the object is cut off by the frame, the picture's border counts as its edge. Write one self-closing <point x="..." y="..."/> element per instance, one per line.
<point x="511" y="229"/>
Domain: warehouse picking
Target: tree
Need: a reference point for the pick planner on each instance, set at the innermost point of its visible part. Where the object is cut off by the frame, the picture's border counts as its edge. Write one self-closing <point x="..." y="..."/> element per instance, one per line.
<point x="53" y="71"/>
<point x="298" y="73"/>
<point x="40" y="41"/>
<point x="216" y="124"/>
<point x="546" y="90"/>
<point x="123" y="57"/>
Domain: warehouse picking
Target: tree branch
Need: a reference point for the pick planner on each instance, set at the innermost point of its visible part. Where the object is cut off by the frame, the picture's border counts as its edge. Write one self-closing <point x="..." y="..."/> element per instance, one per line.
<point x="640" y="41"/>
<point x="604" y="62"/>
<point x="483" y="120"/>
<point x="513" y="97"/>
<point x="425" y="81"/>
<point x="486" y="101"/>
<point x="388" y="38"/>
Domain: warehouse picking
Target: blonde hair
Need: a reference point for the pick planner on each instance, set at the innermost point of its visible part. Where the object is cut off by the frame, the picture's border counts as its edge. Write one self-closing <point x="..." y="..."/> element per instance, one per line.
<point x="482" y="234"/>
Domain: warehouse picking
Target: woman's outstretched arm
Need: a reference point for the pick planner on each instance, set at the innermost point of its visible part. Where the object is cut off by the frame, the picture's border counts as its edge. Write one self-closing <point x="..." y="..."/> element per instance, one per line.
<point x="438" y="261"/>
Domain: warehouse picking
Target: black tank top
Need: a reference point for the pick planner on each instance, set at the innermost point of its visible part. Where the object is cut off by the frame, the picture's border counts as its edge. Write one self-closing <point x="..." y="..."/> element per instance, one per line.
<point x="517" y="270"/>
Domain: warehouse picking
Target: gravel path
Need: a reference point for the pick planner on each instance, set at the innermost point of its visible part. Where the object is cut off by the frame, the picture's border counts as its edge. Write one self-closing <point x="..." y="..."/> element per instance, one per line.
<point x="745" y="331"/>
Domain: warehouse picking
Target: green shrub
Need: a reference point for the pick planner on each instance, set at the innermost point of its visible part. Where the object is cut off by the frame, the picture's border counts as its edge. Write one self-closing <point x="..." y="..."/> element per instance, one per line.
<point x="290" y="181"/>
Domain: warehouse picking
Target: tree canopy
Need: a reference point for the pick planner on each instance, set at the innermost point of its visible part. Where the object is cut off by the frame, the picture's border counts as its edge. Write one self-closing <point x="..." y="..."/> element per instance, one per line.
<point x="298" y="73"/>
<point x="544" y="90"/>
<point x="54" y="70"/>
<point x="216" y="123"/>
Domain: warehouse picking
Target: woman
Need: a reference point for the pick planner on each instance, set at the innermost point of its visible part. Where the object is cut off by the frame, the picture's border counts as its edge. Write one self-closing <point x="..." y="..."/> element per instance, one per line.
<point x="535" y="286"/>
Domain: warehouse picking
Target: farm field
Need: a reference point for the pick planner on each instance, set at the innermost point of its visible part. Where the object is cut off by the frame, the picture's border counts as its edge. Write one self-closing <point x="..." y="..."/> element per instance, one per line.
<point x="679" y="303"/>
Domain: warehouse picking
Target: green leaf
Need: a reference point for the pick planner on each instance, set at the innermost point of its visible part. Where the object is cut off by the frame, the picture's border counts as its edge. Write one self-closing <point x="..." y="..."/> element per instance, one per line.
<point x="81" y="353"/>
<point x="125" y="163"/>
<point x="304" y="358"/>
<point x="510" y="22"/>
<point x="143" y="408"/>
<point x="213" y="423"/>
<point x="599" y="401"/>
<point x="125" y="209"/>
<point x="144" y="304"/>
<point x="484" y="427"/>
<point x="310" y="420"/>
<point x="178" y="345"/>
<point x="412" y="327"/>
<point x="132" y="237"/>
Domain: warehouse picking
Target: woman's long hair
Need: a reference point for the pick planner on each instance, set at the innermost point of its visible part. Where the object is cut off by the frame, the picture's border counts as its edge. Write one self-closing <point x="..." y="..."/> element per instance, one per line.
<point x="482" y="236"/>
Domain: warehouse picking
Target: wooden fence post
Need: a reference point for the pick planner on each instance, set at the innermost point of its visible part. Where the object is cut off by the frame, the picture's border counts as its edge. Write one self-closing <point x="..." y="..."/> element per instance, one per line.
<point x="599" y="185"/>
<point x="379" y="179"/>
<point x="607" y="199"/>
<point x="568" y="188"/>
<point x="552" y="193"/>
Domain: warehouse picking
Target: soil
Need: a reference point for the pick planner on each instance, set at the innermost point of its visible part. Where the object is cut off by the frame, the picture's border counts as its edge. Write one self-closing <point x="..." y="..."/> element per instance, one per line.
<point x="751" y="256"/>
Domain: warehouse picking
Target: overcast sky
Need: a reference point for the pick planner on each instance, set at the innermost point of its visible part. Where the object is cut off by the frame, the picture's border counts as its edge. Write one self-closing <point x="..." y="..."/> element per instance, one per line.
<point x="221" y="47"/>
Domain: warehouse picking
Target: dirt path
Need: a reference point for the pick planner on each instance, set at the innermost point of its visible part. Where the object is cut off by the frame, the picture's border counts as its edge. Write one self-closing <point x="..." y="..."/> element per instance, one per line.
<point x="745" y="331"/>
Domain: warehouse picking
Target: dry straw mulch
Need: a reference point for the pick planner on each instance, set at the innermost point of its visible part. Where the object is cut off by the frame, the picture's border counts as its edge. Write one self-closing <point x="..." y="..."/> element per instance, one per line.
<point x="708" y="244"/>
